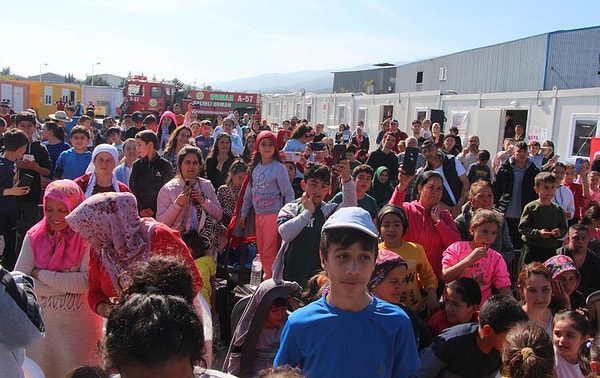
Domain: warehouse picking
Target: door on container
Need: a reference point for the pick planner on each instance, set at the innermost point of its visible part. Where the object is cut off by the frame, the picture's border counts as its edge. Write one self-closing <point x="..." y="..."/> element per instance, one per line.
<point x="7" y="93"/>
<point x="18" y="99"/>
<point x="387" y="111"/>
<point x="490" y="129"/>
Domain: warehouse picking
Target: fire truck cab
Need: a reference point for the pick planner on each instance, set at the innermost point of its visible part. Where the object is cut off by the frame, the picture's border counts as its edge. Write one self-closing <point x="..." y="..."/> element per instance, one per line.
<point x="146" y="96"/>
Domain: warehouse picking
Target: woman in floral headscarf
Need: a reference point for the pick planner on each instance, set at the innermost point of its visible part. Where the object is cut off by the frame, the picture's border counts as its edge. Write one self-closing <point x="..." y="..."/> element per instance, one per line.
<point x="565" y="281"/>
<point x="57" y="258"/>
<point x="120" y="241"/>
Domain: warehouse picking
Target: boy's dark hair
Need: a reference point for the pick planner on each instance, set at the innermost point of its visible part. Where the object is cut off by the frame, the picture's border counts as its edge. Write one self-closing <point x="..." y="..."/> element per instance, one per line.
<point x="544" y="178"/>
<point x="88" y="372"/>
<point x="90" y="113"/>
<point x="362" y="168"/>
<point x="468" y="289"/>
<point x="80" y="130"/>
<point x="501" y="312"/>
<point x="15" y="139"/>
<point x="165" y="275"/>
<point x="84" y="118"/>
<point x="25" y="117"/>
<point x="150" y="118"/>
<point x="345" y="237"/>
<point x="150" y="329"/>
<point x="484" y="155"/>
<point x="147" y="136"/>
<point x="113" y="130"/>
<point x="317" y="171"/>
<point x="522" y="146"/>
<point x="558" y="164"/>
<point x="351" y="148"/>
<point x="70" y="108"/>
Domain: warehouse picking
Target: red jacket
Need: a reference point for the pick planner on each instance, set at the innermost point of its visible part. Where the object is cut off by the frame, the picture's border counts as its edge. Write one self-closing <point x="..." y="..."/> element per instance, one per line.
<point x="421" y="230"/>
<point x="100" y="285"/>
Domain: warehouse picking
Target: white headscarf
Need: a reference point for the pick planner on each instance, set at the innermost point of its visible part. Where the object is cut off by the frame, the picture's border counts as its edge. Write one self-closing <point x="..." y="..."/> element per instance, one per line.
<point x="104" y="147"/>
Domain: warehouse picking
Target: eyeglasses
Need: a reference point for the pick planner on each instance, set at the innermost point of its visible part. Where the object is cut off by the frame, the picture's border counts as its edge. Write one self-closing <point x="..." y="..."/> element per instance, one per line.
<point x="4" y="106"/>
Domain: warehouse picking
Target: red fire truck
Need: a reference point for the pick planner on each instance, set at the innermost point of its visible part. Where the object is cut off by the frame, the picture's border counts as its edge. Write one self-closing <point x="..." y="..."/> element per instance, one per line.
<point x="147" y="96"/>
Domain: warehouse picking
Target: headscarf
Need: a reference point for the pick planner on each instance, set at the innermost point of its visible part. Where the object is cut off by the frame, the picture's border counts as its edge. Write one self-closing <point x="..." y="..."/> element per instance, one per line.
<point x="104" y="147"/>
<point x="560" y="264"/>
<point x="58" y="250"/>
<point x="386" y="262"/>
<point x="381" y="192"/>
<point x="111" y="224"/>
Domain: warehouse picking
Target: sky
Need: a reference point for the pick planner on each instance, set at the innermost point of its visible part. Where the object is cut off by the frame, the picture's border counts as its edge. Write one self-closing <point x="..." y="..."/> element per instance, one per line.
<point x="207" y="41"/>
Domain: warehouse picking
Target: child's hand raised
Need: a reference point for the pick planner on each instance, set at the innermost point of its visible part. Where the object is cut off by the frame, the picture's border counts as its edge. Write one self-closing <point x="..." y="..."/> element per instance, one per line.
<point x="545" y="234"/>
<point x="307" y="203"/>
<point x="478" y="254"/>
<point x="556" y="233"/>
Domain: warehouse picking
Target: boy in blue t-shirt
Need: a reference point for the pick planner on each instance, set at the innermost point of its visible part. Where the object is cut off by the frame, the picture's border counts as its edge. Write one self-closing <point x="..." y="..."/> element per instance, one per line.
<point x="348" y="332"/>
<point x="73" y="162"/>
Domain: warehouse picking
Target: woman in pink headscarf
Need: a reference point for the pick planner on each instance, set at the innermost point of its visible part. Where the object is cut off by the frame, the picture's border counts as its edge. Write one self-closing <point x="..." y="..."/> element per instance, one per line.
<point x="121" y="241"/>
<point x="57" y="258"/>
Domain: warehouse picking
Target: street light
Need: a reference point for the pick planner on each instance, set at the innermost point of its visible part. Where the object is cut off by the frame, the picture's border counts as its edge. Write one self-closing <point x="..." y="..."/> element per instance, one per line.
<point x="43" y="64"/>
<point x="94" y="64"/>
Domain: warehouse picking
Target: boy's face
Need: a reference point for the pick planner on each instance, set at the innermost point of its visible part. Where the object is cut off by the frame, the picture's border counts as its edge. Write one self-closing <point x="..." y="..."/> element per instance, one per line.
<point x="559" y="173"/>
<point x="349" y="269"/>
<point x="569" y="175"/>
<point x="79" y="141"/>
<point x="483" y="163"/>
<point x="143" y="148"/>
<point x="316" y="189"/>
<point x="115" y="138"/>
<point x="546" y="191"/>
<point x="27" y="127"/>
<point x="495" y="340"/>
<point x="350" y="156"/>
<point x="457" y="310"/>
<point x="362" y="181"/>
<point x="594" y="180"/>
<point x="276" y="316"/>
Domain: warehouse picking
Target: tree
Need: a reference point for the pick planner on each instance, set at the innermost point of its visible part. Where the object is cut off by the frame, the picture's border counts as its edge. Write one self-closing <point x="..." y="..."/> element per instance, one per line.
<point x="178" y="84"/>
<point x="98" y="81"/>
<point x="5" y="71"/>
<point x="206" y="87"/>
<point x="69" y="78"/>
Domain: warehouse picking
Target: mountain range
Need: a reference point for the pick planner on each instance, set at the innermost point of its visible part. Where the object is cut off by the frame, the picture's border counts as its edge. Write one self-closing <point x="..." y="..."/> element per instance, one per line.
<point x="316" y="81"/>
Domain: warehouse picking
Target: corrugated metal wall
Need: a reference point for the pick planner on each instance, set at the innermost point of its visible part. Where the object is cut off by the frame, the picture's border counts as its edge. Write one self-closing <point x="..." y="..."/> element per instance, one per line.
<point x="574" y="59"/>
<point x="375" y="81"/>
<point x="511" y="66"/>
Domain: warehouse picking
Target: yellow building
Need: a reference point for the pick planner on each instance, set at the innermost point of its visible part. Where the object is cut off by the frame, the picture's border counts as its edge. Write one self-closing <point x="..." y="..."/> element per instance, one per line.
<point x="43" y="97"/>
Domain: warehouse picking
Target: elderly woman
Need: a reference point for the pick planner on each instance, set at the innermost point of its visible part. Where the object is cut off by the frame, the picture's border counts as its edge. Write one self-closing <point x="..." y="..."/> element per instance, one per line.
<point x="101" y="177"/>
<point x="430" y="224"/>
<point x="187" y="198"/>
<point x="481" y="196"/>
<point x="57" y="257"/>
<point x="120" y="241"/>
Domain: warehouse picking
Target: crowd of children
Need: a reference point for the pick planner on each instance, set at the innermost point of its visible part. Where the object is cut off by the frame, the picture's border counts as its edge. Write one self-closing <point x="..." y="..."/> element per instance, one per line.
<point x="394" y="285"/>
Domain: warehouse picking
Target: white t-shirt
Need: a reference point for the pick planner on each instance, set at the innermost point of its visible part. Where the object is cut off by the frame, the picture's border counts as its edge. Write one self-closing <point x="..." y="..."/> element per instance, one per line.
<point x="460" y="170"/>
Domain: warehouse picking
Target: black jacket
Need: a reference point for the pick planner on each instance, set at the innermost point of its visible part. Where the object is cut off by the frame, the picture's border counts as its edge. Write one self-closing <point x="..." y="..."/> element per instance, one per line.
<point x="504" y="184"/>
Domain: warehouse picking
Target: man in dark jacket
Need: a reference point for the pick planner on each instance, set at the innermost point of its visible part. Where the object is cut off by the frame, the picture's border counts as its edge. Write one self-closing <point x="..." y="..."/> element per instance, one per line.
<point x="514" y="188"/>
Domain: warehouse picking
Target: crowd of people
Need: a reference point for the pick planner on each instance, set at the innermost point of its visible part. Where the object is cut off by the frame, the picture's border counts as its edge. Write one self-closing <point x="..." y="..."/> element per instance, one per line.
<point x="400" y="261"/>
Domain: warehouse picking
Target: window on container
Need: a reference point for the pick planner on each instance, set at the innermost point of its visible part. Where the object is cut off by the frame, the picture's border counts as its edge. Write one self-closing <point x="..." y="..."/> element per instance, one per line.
<point x="269" y="108"/>
<point x="156" y="92"/>
<point x="443" y="72"/>
<point x="420" y="77"/>
<point x="48" y="96"/>
<point x="362" y="114"/>
<point x="309" y="113"/>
